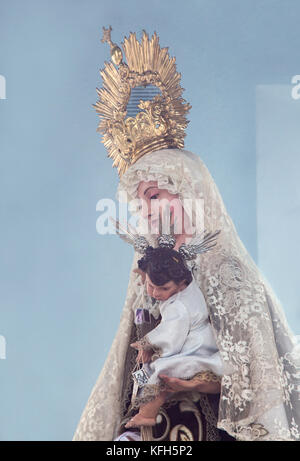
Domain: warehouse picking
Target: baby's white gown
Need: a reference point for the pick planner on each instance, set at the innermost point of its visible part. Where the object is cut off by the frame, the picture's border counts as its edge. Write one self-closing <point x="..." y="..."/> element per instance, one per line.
<point x="184" y="338"/>
<point x="187" y="346"/>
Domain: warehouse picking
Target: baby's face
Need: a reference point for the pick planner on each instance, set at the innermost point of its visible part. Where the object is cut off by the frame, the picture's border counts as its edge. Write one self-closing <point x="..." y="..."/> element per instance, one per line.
<point x="163" y="292"/>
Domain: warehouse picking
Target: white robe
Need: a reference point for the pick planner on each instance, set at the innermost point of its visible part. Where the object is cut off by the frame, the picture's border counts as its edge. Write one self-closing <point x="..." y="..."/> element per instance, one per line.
<point x="184" y="337"/>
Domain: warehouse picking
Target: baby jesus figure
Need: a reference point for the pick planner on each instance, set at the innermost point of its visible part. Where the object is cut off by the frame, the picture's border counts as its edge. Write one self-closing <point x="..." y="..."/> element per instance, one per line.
<point x="183" y="343"/>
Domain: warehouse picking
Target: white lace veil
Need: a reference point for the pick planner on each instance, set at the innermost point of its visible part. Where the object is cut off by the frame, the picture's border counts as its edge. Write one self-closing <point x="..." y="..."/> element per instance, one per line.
<point x="260" y="388"/>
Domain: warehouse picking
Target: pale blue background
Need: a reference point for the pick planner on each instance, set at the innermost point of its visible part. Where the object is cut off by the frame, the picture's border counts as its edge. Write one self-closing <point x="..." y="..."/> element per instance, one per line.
<point x="62" y="284"/>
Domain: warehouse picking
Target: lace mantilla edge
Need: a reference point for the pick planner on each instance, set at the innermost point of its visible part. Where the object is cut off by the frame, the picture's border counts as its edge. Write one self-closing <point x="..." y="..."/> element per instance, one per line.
<point x="260" y="375"/>
<point x="247" y="318"/>
<point x="253" y="431"/>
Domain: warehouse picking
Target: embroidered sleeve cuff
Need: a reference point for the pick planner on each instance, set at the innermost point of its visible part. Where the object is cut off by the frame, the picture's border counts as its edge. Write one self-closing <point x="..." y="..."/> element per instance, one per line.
<point x="207" y="376"/>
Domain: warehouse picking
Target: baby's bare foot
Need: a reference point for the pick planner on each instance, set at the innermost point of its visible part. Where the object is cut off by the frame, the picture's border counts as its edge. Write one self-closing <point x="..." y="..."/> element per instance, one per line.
<point x="140" y="420"/>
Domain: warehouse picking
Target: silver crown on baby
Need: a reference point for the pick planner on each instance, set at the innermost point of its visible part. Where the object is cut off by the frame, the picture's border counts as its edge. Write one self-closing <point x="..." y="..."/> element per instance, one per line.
<point x="199" y="244"/>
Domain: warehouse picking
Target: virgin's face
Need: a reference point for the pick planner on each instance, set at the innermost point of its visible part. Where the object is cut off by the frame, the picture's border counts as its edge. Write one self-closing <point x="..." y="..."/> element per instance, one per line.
<point x="153" y="201"/>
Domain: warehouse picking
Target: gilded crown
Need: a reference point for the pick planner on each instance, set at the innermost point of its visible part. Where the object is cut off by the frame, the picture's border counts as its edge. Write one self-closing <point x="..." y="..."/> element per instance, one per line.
<point x="140" y="103"/>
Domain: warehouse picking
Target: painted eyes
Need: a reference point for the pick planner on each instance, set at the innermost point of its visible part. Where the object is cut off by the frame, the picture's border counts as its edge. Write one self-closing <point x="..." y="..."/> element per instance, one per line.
<point x="154" y="197"/>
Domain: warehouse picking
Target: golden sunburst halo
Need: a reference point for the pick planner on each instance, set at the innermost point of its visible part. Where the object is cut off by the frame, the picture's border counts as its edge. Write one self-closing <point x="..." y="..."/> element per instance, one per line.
<point x="160" y="120"/>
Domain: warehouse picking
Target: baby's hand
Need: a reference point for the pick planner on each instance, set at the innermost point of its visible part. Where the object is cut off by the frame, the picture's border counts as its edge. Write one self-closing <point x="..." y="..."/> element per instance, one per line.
<point x="144" y="356"/>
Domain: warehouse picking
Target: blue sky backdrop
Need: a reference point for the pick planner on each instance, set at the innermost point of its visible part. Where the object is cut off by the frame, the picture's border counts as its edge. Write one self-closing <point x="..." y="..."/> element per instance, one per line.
<point x="62" y="284"/>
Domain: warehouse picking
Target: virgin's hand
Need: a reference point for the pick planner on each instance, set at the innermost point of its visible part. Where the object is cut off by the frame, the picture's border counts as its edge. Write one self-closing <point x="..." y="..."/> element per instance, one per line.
<point x="182" y="385"/>
<point x="209" y="387"/>
<point x="177" y="385"/>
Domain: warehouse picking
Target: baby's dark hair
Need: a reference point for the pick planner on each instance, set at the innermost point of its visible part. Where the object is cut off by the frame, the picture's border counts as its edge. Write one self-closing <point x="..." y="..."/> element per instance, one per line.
<point x="164" y="265"/>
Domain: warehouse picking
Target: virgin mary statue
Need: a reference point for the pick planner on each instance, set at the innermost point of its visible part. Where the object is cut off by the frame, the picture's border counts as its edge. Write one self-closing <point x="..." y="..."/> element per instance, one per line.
<point x="259" y="391"/>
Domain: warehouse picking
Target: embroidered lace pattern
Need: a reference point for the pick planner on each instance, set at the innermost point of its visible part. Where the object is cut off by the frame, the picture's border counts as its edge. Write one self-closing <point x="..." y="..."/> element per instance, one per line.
<point x="210" y="417"/>
<point x="207" y="376"/>
<point x="260" y="353"/>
